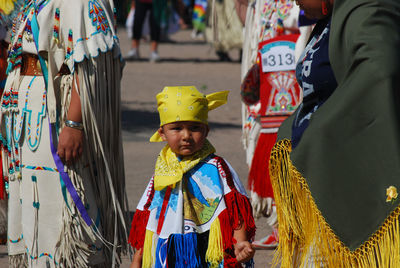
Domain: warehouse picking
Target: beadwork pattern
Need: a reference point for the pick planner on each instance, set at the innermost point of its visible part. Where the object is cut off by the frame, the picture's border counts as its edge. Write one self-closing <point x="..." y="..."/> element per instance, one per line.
<point x="15" y="240"/>
<point x="40" y="168"/>
<point x="70" y="44"/>
<point x="56" y="27"/>
<point x="98" y="16"/>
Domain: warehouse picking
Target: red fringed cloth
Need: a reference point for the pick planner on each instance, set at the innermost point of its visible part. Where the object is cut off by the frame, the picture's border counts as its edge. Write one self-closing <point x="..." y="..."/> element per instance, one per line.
<point x="138" y="228"/>
<point x="259" y="180"/>
<point x="237" y="214"/>
<point x="139" y="223"/>
<point x="238" y="205"/>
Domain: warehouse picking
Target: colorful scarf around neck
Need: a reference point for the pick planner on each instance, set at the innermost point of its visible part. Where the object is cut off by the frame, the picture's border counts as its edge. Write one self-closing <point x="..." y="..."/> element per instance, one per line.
<point x="169" y="170"/>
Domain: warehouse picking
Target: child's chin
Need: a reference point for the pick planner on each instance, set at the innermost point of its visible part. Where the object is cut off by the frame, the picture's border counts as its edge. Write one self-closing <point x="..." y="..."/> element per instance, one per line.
<point x="186" y="152"/>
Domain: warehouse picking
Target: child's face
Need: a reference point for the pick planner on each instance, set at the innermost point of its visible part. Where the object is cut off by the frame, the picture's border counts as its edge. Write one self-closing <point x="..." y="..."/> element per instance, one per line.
<point x="184" y="137"/>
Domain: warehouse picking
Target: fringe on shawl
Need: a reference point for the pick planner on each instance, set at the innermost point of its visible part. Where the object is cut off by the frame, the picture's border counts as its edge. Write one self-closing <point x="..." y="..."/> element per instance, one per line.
<point x="305" y="236"/>
<point x="18" y="261"/>
<point x="99" y="85"/>
<point x="227" y="239"/>
<point x="240" y="212"/>
<point x="148" y="258"/>
<point x="185" y="251"/>
<point x="220" y="244"/>
<point x="215" y="250"/>
<point x="238" y="205"/>
<point x="138" y="228"/>
<point x="226" y="230"/>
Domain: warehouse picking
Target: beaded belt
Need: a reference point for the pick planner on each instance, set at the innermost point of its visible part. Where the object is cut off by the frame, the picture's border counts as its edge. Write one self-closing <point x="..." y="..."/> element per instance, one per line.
<point x="31" y="66"/>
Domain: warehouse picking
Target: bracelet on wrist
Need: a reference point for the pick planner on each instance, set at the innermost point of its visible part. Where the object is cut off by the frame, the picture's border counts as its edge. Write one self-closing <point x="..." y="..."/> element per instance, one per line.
<point x="73" y="124"/>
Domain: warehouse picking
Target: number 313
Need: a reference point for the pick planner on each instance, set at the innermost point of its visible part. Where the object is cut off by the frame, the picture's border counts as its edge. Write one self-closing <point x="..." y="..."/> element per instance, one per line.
<point x="279" y="59"/>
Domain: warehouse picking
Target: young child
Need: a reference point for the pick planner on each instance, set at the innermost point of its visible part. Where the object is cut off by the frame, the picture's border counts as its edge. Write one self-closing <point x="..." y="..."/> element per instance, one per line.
<point x="194" y="212"/>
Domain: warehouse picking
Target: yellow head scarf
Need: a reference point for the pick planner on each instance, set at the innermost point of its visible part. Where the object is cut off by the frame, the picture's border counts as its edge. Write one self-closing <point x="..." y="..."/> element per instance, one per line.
<point x="6" y="6"/>
<point x="182" y="104"/>
<point x="186" y="103"/>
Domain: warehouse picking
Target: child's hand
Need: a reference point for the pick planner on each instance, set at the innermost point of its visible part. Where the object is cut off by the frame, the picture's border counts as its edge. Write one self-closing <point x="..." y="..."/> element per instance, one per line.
<point x="244" y="251"/>
<point x="137" y="259"/>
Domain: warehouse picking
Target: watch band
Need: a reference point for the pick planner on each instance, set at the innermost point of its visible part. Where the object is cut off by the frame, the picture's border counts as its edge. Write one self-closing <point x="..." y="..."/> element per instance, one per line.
<point x="73" y="124"/>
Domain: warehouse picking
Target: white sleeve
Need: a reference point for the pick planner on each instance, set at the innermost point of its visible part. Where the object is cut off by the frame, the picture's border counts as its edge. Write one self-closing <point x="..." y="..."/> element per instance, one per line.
<point x="87" y="27"/>
<point x="146" y="195"/>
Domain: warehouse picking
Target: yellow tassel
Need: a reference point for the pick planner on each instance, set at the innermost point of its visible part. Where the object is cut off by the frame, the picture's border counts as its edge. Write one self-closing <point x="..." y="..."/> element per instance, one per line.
<point x="215" y="250"/>
<point x="147" y="260"/>
<point x="306" y="238"/>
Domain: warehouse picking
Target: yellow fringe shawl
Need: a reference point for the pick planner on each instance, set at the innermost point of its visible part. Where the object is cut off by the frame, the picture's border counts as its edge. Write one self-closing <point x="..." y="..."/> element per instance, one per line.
<point x="307" y="239"/>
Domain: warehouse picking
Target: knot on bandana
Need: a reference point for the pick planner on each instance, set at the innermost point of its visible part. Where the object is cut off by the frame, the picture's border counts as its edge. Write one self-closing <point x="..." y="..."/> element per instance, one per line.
<point x="186" y="103"/>
<point x="169" y="170"/>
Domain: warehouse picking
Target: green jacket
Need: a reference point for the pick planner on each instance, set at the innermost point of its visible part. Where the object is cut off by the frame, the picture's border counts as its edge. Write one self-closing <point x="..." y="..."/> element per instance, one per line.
<point x="350" y="152"/>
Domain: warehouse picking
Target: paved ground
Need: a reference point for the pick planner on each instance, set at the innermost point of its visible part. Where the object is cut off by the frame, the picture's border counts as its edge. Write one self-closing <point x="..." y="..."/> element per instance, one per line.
<point x="185" y="62"/>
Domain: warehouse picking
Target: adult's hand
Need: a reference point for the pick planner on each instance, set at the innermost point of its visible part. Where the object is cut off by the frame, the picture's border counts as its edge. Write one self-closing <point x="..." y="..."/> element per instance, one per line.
<point x="70" y="145"/>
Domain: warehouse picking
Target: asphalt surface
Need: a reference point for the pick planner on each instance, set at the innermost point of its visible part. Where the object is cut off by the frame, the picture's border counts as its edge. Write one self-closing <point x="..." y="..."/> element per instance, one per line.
<point x="183" y="62"/>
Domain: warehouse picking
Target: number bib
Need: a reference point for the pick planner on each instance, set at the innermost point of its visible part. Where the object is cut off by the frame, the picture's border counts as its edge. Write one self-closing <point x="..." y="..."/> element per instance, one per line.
<point x="280" y="93"/>
<point x="277" y="54"/>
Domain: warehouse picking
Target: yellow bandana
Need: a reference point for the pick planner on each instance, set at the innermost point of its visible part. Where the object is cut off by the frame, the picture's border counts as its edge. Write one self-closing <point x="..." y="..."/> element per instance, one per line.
<point x="6" y="6"/>
<point x="169" y="170"/>
<point x="186" y="103"/>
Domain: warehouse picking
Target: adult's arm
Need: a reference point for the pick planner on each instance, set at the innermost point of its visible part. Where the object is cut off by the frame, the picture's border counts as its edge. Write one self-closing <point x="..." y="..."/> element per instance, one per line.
<point x="241" y="9"/>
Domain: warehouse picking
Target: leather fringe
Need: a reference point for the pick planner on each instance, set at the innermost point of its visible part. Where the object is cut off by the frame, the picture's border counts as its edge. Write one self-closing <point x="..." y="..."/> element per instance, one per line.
<point x="18" y="261"/>
<point x="305" y="236"/>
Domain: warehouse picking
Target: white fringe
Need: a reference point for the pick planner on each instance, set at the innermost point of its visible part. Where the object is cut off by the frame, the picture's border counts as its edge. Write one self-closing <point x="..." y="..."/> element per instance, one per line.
<point x="72" y="248"/>
<point x="3" y="217"/>
<point x="99" y="88"/>
<point x="18" y="261"/>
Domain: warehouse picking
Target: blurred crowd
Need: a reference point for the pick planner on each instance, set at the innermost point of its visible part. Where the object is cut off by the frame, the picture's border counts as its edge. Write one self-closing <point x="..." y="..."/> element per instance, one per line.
<point x="156" y="20"/>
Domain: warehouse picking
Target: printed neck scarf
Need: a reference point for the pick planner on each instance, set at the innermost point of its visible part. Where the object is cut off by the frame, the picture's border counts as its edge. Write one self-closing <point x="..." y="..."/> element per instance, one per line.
<point x="169" y="170"/>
